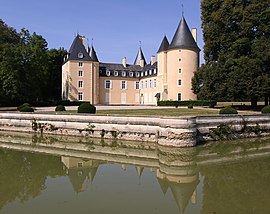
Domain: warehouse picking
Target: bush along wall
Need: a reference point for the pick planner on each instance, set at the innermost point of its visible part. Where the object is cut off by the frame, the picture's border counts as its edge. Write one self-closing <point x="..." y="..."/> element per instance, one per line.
<point x="210" y="103"/>
<point x="228" y="110"/>
<point x="266" y="110"/>
<point x="87" y="108"/>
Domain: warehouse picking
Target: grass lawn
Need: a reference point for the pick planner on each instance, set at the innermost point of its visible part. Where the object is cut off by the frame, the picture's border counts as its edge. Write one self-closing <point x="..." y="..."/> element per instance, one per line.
<point x="8" y="108"/>
<point x="160" y="112"/>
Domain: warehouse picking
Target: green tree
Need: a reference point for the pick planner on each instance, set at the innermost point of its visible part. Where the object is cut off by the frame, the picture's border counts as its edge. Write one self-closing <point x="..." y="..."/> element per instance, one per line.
<point x="236" y="51"/>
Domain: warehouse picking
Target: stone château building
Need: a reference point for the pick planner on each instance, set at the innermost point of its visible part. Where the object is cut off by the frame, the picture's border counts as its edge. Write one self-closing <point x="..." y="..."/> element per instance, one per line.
<point x="85" y="78"/>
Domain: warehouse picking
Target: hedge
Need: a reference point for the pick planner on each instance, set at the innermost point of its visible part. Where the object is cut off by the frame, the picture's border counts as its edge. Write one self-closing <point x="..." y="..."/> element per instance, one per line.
<point x="228" y="110"/>
<point x="87" y="108"/>
<point x="266" y="110"/>
<point x="211" y="103"/>
<point x="60" y="108"/>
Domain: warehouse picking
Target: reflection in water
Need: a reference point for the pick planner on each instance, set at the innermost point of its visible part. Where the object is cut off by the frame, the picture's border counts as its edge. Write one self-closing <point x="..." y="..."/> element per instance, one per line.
<point x="206" y="179"/>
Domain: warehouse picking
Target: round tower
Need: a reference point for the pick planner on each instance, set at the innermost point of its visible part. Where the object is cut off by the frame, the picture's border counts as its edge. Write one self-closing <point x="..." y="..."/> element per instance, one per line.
<point x="182" y="63"/>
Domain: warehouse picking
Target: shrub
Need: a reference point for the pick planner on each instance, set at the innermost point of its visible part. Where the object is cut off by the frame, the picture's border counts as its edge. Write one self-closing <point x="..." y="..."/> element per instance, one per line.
<point x="23" y="105"/>
<point x="190" y="106"/>
<point x="228" y="110"/>
<point x="187" y="102"/>
<point x="266" y="110"/>
<point x="26" y="109"/>
<point x="60" y="108"/>
<point x="87" y="108"/>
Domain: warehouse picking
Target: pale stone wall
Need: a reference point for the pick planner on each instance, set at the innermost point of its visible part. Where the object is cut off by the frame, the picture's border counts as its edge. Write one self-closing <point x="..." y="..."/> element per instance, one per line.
<point x="188" y="61"/>
<point x="116" y="94"/>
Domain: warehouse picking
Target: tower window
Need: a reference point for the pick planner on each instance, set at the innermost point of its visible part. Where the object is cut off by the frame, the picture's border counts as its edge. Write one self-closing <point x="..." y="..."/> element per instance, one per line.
<point x="80" y="84"/>
<point x="180" y="60"/>
<point x="179" y="96"/>
<point x="179" y="82"/>
<point x="80" y="73"/>
<point x="80" y="96"/>
<point x="80" y="64"/>
<point x="180" y="70"/>
<point x="180" y="51"/>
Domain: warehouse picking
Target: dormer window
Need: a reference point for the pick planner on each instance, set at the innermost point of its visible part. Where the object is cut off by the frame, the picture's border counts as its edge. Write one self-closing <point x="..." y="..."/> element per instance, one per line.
<point x="130" y="74"/>
<point x="137" y="74"/>
<point x="142" y="74"/>
<point x="80" y="55"/>
<point x="145" y="73"/>
<point x="108" y="73"/>
<point x="155" y="71"/>
<point x="150" y="72"/>
<point x="124" y="74"/>
<point x="116" y="73"/>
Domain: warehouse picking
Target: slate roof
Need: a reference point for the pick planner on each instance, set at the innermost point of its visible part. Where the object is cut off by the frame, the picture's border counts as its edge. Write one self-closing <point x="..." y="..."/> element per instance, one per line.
<point x="131" y="71"/>
<point x="139" y="57"/>
<point x="183" y="37"/>
<point x="93" y="54"/>
<point x="164" y="45"/>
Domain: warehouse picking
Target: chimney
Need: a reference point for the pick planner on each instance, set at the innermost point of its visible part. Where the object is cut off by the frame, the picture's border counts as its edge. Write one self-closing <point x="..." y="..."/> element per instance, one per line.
<point x="153" y="60"/>
<point x="142" y="63"/>
<point x="194" y="34"/>
<point x="124" y="62"/>
<point x="84" y="41"/>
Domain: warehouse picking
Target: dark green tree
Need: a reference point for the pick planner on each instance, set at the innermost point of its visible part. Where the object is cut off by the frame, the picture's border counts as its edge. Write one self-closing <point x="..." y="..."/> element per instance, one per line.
<point x="236" y="51"/>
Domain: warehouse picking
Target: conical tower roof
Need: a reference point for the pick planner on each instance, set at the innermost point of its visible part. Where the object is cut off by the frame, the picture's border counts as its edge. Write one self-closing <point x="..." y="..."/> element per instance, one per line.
<point x="93" y="54"/>
<point x="183" y="38"/>
<point x="77" y="50"/>
<point x="164" y="45"/>
<point x="139" y="57"/>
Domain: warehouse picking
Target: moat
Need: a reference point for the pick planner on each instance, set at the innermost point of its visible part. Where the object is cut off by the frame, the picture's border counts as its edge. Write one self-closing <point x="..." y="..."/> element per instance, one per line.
<point x="39" y="175"/>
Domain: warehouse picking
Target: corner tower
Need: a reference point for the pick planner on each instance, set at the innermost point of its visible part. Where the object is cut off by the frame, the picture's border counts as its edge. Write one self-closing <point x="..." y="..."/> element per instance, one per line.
<point x="80" y="73"/>
<point x="182" y="63"/>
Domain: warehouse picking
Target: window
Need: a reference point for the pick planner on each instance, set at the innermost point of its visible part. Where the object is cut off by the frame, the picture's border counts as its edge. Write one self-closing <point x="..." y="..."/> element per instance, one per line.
<point x="124" y="74"/>
<point x="180" y="70"/>
<point x="123" y="84"/>
<point x="180" y="60"/>
<point x="80" y="64"/>
<point x="80" y="96"/>
<point x="80" y="164"/>
<point x="108" y="84"/>
<point x="179" y="96"/>
<point x="150" y="72"/>
<point x="146" y="85"/>
<point x="145" y="73"/>
<point x="137" y="85"/>
<point x="155" y="83"/>
<point x="180" y="51"/>
<point x="80" y="55"/>
<point x="155" y="71"/>
<point x="116" y="73"/>
<point x="142" y="74"/>
<point x="150" y="83"/>
<point x="80" y="73"/>
<point x="179" y="82"/>
<point x="80" y="84"/>
<point x="130" y="74"/>
<point x="141" y="84"/>
<point x="108" y="73"/>
<point x="137" y="74"/>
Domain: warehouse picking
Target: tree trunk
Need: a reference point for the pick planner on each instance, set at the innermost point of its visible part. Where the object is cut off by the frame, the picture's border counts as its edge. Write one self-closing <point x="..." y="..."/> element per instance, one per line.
<point x="266" y="100"/>
<point x="254" y="102"/>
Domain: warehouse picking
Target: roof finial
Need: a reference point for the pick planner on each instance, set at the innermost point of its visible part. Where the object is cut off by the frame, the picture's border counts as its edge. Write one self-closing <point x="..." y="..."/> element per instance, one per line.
<point x="140" y="43"/>
<point x="182" y="9"/>
<point x="92" y="41"/>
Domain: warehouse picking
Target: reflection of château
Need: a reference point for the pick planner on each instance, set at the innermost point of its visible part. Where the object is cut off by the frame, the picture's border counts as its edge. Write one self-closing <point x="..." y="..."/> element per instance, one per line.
<point x="180" y="177"/>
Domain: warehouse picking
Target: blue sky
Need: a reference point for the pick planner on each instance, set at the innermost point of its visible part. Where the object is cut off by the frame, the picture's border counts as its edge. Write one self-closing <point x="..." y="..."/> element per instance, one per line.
<point x="117" y="26"/>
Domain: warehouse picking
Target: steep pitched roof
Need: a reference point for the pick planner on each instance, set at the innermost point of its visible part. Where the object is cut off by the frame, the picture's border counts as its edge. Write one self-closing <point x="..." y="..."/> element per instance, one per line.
<point x="183" y="37"/>
<point x="77" y="51"/>
<point x="92" y="54"/>
<point x="139" y="57"/>
<point x="164" y="45"/>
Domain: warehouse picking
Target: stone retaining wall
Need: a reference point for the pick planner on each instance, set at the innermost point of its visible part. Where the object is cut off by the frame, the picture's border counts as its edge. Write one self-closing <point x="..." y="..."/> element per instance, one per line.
<point x="171" y="131"/>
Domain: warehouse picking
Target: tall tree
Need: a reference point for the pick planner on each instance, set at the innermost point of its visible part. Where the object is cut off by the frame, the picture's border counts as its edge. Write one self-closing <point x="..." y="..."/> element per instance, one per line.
<point x="236" y="51"/>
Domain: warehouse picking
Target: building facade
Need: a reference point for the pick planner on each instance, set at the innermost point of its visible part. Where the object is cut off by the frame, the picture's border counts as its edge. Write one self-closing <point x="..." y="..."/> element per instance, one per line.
<point x="85" y="78"/>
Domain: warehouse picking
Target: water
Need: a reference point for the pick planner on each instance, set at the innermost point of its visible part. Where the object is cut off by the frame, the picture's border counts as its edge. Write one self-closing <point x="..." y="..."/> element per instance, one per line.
<point x="117" y="177"/>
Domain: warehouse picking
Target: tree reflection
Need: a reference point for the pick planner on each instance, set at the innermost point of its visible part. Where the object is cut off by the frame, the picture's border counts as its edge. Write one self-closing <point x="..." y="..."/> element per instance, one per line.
<point x="237" y="188"/>
<point x="23" y="175"/>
